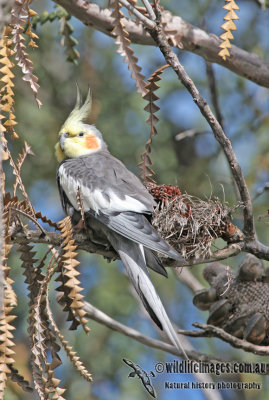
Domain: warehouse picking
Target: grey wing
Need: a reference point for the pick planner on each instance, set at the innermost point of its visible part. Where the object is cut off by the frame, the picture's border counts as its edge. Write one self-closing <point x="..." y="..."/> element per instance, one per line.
<point x="105" y="173"/>
<point x="105" y="183"/>
<point x="67" y="206"/>
<point x="123" y="182"/>
<point x="136" y="227"/>
<point x="153" y="262"/>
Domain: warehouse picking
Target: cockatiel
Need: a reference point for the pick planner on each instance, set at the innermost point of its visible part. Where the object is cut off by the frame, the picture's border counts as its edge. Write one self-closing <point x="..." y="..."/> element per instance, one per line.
<point x="117" y="207"/>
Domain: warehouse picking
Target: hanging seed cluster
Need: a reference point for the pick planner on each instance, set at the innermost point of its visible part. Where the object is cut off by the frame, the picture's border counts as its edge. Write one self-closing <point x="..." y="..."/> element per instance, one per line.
<point x="190" y="224"/>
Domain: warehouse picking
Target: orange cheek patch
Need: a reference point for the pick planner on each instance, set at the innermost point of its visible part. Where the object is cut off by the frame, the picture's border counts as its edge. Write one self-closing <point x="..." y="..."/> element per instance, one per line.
<point x="92" y="142"/>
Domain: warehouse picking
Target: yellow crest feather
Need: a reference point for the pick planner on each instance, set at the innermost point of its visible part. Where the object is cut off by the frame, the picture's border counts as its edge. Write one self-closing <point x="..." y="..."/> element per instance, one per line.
<point x="79" y="113"/>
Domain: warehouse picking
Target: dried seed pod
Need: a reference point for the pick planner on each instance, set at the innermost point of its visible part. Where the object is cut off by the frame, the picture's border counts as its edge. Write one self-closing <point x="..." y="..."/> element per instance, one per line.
<point x="218" y="312"/>
<point x="205" y="298"/>
<point x="211" y="271"/>
<point x="251" y="269"/>
<point x="256" y="329"/>
<point x="266" y="275"/>
<point x="241" y="305"/>
<point x="236" y="327"/>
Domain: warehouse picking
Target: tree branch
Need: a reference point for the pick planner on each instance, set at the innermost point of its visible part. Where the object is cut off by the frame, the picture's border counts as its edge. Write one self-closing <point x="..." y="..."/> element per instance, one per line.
<point x="260" y="191"/>
<point x="149" y="10"/>
<point x="171" y="59"/>
<point x="214" y="331"/>
<point x="257" y="248"/>
<point x="147" y="22"/>
<point x="230" y="251"/>
<point x="193" y="39"/>
<point x="185" y="276"/>
<point x="214" y="92"/>
<point x="102" y="318"/>
<point x="84" y="243"/>
<point x="55" y="239"/>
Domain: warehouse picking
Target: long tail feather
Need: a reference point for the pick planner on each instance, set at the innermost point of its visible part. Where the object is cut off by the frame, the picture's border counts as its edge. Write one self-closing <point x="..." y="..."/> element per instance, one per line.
<point x="134" y="262"/>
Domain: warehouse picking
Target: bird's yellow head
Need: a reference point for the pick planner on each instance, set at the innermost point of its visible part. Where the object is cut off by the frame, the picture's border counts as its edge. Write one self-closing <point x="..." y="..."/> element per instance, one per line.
<point x="77" y="138"/>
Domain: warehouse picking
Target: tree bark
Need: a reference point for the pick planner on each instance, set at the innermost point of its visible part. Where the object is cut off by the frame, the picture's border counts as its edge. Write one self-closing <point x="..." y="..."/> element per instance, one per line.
<point x="188" y="37"/>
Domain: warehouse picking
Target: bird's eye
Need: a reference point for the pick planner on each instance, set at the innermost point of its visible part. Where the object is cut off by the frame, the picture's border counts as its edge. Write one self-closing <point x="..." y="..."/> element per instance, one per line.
<point x="81" y="134"/>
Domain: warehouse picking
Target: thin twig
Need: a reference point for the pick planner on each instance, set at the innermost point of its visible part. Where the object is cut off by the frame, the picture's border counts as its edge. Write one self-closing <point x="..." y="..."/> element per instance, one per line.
<point x="102" y="318"/>
<point x="19" y="181"/>
<point x="193" y="39"/>
<point x="189" y="133"/>
<point x="213" y="92"/>
<point x="184" y="275"/>
<point x="257" y="248"/>
<point x="215" y="102"/>
<point x="84" y="243"/>
<point x="211" y="330"/>
<point x="55" y="239"/>
<point x="150" y="11"/>
<point x="209" y="394"/>
<point x="33" y="219"/>
<point x="160" y="38"/>
<point x="230" y="251"/>
<point x="261" y="191"/>
<point x="146" y="21"/>
<point x="262" y="4"/>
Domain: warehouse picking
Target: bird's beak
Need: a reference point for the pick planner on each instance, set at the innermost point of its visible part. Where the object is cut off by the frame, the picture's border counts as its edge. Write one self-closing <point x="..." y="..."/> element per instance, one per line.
<point x="62" y="140"/>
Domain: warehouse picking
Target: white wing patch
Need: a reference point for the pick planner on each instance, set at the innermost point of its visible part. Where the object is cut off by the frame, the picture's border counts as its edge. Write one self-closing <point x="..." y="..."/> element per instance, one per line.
<point x="126" y="204"/>
<point x="95" y="199"/>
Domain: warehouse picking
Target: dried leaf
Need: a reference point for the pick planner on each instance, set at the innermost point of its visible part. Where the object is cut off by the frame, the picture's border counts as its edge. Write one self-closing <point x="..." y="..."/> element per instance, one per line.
<point x="44" y="219"/>
<point x="68" y="41"/>
<point x="173" y="36"/>
<point x="33" y="279"/>
<point x="7" y="94"/>
<point x="17" y="174"/>
<point x="19" y="379"/>
<point x="20" y="208"/>
<point x="44" y="337"/>
<point x="151" y="108"/>
<point x="228" y="26"/>
<point x="33" y="36"/>
<point x="6" y="318"/>
<point x="27" y="150"/>
<point x="70" y="283"/>
<point x="79" y="366"/>
<point x="124" y="49"/>
<point x="41" y="335"/>
<point x="19" y="15"/>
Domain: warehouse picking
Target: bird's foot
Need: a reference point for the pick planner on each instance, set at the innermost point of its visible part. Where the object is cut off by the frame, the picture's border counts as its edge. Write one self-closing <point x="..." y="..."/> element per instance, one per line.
<point x="80" y="226"/>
